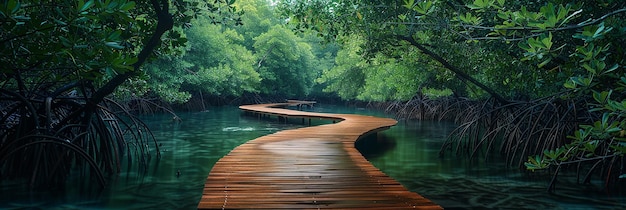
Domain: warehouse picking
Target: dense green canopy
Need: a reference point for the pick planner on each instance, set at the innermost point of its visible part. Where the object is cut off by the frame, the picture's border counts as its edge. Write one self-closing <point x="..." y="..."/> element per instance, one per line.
<point x="213" y="62"/>
<point x="494" y="47"/>
<point x="564" y="60"/>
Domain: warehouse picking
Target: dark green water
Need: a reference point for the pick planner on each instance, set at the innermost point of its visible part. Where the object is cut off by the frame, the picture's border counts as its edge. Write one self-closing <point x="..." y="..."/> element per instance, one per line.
<point x="407" y="152"/>
<point x="192" y="147"/>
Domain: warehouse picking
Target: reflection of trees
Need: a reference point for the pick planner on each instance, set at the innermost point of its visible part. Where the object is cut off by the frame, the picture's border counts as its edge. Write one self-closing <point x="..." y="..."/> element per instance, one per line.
<point x="375" y="145"/>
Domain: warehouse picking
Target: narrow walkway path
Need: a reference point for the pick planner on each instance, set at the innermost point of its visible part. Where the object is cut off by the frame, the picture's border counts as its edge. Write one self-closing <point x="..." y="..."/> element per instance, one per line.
<point x="307" y="168"/>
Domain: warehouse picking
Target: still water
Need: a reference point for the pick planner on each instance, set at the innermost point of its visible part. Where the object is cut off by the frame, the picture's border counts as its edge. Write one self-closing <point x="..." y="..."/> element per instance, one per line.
<point x="408" y="152"/>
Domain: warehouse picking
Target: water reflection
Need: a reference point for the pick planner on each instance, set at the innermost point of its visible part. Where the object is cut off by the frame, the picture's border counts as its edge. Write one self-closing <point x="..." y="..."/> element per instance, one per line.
<point x="191" y="146"/>
<point x="375" y="146"/>
<point x="408" y="152"/>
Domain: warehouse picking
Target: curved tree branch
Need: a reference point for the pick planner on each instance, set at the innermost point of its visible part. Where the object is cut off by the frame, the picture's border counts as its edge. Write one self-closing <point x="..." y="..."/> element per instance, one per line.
<point x="165" y="23"/>
<point x="462" y="75"/>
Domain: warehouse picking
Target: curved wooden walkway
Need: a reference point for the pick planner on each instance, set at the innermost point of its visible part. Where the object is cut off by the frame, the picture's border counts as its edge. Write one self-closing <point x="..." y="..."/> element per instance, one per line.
<point x="307" y="168"/>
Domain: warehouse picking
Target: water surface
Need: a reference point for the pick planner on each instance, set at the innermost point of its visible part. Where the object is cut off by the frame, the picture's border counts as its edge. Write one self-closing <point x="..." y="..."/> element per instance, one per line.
<point x="408" y="152"/>
<point x="191" y="147"/>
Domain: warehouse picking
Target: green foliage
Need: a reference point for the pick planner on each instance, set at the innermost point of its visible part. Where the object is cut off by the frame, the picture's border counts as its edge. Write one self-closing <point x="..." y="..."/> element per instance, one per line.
<point x="558" y="56"/>
<point x="54" y="54"/>
<point x="285" y="62"/>
<point x="593" y="32"/>
<point x="84" y="43"/>
<point x="593" y="72"/>
<point x="260" y="56"/>
<point x="378" y="79"/>
<point x="421" y="7"/>
<point x="259" y="17"/>
<point x="346" y="78"/>
<point x="212" y="63"/>
<point x="61" y="60"/>
<point x="437" y="93"/>
<point x="384" y="31"/>
<point x="390" y="79"/>
<point x="535" y="163"/>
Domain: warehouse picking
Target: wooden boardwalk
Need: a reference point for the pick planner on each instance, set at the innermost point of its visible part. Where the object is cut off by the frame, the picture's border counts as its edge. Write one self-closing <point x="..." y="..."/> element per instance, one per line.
<point x="307" y="168"/>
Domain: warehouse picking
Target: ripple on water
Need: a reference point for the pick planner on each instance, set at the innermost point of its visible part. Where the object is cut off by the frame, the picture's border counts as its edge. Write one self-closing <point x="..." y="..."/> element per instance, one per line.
<point x="236" y="129"/>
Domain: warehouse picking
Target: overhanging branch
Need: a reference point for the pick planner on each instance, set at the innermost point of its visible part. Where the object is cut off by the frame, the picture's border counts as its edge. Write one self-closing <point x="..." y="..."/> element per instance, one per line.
<point x="460" y="74"/>
<point x="164" y="24"/>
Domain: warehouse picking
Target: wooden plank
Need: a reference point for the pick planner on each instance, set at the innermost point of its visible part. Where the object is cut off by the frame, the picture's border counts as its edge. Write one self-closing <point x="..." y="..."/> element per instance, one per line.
<point x="307" y="168"/>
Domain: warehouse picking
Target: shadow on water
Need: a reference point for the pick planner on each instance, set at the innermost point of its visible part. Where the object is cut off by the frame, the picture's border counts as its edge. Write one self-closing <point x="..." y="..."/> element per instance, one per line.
<point x="375" y="145"/>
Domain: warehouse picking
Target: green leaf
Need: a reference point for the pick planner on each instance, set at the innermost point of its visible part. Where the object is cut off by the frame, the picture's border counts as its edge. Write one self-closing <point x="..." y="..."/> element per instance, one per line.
<point x="131" y="61"/>
<point x="66" y="42"/>
<point x="593" y="32"/>
<point x="504" y="15"/>
<point x="535" y="163"/>
<point x="616" y="106"/>
<point x="602" y="97"/>
<point x="570" y="84"/>
<point x="589" y="69"/>
<point x="115" y="45"/>
<point x="580" y="135"/>
<point x="470" y="19"/>
<point x="613" y="68"/>
<point x="525" y="46"/>
<point x="554" y="154"/>
<point x="582" y="81"/>
<point x="83" y="6"/>
<point x="128" y="6"/>
<point x="547" y="41"/>
<point x="501" y="2"/>
<point x="604" y="123"/>
<point x="17" y="7"/>
<point x="423" y="7"/>
<point x="548" y="11"/>
<point x="481" y="4"/>
<point x="115" y="36"/>
<point x="409" y="4"/>
<point x="591" y="146"/>
<point x="11" y="7"/>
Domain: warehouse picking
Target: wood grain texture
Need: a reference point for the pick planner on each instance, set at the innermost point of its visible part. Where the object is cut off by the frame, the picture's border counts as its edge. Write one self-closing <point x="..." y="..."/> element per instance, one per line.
<point x="307" y="168"/>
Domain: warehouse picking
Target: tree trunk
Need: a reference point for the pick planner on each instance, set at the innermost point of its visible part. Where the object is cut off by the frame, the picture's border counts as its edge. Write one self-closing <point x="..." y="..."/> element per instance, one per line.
<point x="164" y="24"/>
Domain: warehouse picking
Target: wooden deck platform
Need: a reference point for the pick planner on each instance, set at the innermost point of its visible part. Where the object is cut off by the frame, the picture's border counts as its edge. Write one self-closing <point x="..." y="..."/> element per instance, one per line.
<point x="308" y="168"/>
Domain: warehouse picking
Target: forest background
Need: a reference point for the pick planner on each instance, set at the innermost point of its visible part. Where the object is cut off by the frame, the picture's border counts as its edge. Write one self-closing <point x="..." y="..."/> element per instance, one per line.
<point x="539" y="82"/>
